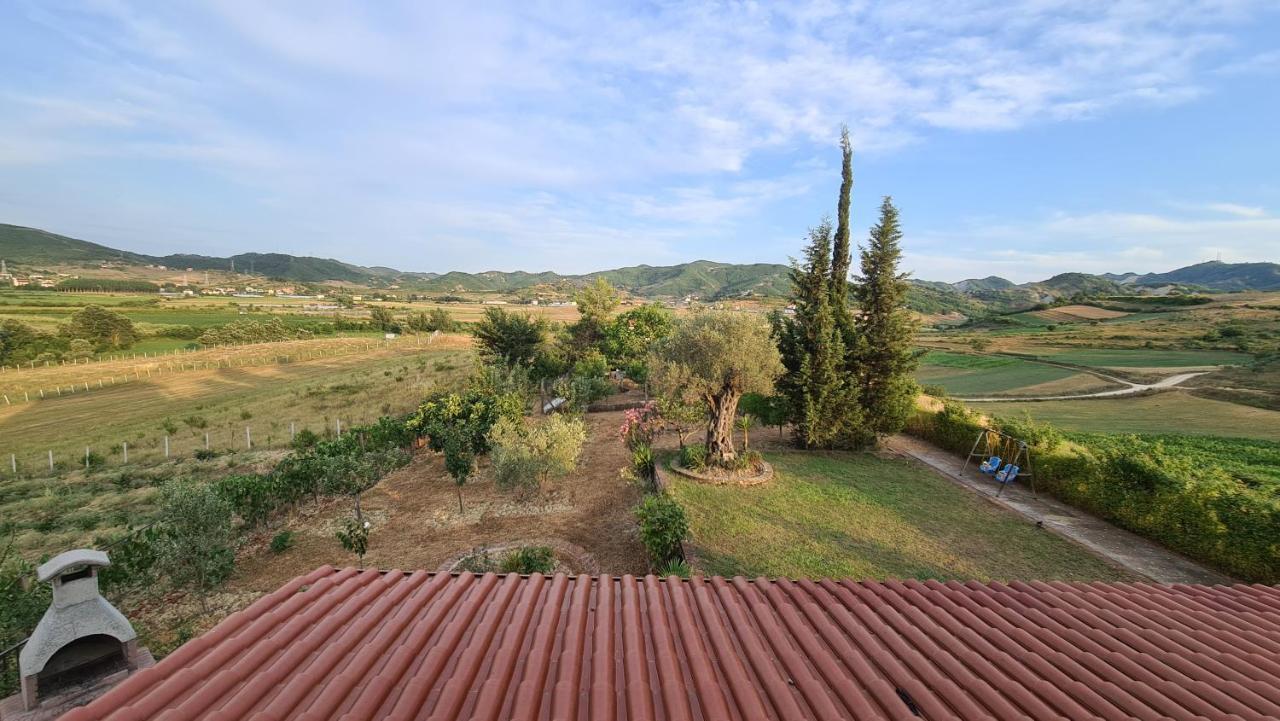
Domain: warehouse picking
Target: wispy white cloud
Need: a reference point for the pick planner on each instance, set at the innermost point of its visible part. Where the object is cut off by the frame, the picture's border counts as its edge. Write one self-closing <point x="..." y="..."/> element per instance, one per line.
<point x="659" y="128"/>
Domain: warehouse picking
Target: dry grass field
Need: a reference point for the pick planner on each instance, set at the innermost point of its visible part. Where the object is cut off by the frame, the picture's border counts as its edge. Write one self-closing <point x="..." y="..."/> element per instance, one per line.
<point x="1076" y="313"/>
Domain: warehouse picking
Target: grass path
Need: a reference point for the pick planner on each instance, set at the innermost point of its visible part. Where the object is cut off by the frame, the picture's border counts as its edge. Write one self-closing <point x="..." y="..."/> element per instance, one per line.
<point x="863" y="516"/>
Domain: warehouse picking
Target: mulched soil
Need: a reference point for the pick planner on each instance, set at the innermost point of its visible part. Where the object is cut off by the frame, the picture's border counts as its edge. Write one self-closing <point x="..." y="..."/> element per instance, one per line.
<point x="416" y="523"/>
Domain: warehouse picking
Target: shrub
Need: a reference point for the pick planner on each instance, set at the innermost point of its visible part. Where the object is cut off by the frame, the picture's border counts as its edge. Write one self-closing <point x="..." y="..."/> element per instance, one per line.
<point x="639" y="426"/>
<point x="527" y="454"/>
<point x="195" y="547"/>
<point x="1041" y="436"/>
<point x="305" y="438"/>
<point x="206" y="454"/>
<point x="354" y="536"/>
<point x="643" y="466"/>
<point x="694" y="456"/>
<point x="591" y="365"/>
<point x="675" y="568"/>
<point x="529" y="559"/>
<point x="663" y="527"/>
<point x="282" y="541"/>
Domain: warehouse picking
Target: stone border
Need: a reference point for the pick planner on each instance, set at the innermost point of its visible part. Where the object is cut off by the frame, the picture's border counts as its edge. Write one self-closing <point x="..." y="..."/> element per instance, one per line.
<point x="764" y="476"/>
<point x="579" y="561"/>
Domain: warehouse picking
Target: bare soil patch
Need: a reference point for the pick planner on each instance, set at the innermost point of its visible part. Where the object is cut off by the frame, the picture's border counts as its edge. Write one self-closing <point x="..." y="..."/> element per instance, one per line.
<point x="416" y="522"/>
<point x="1069" y="313"/>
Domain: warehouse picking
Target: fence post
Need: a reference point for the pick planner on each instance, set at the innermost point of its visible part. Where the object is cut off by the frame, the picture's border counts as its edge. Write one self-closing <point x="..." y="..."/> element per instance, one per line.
<point x="50" y="460"/>
<point x="126" y="451"/>
<point x="86" y="458"/>
<point x="293" y="433"/>
<point x="13" y="463"/>
<point x="248" y="438"/>
<point x="166" y="446"/>
<point x="337" y="424"/>
<point x="206" y="441"/>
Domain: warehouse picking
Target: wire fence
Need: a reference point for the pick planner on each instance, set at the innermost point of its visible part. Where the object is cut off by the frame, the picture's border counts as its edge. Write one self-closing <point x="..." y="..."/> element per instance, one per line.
<point x="196" y="444"/>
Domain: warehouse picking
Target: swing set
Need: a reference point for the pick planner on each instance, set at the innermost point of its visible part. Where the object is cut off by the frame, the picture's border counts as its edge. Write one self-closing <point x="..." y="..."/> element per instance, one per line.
<point x="1004" y="458"/>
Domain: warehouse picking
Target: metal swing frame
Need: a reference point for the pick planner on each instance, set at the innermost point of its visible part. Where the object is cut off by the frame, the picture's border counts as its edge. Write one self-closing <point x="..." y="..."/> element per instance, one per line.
<point x="1013" y="451"/>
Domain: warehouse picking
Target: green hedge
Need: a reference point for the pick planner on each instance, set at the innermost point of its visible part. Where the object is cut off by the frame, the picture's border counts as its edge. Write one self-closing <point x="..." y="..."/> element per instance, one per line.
<point x="1184" y="503"/>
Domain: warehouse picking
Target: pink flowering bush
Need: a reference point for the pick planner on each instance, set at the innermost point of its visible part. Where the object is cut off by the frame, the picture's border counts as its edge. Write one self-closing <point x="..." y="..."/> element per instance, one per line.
<point x="640" y="425"/>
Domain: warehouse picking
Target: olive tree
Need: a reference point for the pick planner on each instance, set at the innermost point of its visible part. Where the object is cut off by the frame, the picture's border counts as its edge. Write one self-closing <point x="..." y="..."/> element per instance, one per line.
<point x="529" y="454"/>
<point x="723" y="354"/>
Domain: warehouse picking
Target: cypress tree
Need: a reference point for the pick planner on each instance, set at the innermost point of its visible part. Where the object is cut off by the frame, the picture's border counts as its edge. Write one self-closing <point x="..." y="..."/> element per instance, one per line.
<point x="883" y="357"/>
<point x="841" y="256"/>
<point x="821" y="399"/>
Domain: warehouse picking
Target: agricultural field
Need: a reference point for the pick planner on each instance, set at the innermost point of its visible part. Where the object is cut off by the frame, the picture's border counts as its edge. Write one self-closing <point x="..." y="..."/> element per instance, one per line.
<point x="1162" y="413"/>
<point x="1078" y="313"/>
<point x="864" y="516"/>
<point x="1145" y="358"/>
<point x="272" y="400"/>
<point x="965" y="374"/>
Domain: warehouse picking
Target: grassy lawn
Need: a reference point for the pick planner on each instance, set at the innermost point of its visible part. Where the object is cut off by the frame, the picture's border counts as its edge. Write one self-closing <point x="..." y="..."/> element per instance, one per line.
<point x="1161" y="413"/>
<point x="1147" y="358"/>
<point x="861" y="516"/>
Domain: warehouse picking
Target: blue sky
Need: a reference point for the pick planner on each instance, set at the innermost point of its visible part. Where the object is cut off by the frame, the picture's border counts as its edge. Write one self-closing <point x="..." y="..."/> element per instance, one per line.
<point x="1018" y="138"/>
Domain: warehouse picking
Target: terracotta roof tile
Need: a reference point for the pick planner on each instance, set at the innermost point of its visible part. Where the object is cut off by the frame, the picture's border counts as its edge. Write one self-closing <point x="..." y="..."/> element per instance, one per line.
<point x="352" y="645"/>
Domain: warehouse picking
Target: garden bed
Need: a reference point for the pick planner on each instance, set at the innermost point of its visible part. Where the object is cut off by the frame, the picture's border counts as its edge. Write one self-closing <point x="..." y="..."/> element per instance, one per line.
<point x="723" y="477"/>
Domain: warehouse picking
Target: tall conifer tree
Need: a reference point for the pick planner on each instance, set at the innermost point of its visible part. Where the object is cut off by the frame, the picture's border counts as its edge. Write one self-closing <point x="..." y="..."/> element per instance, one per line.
<point x="841" y="255"/>
<point x="883" y="357"/>
<point x="820" y="395"/>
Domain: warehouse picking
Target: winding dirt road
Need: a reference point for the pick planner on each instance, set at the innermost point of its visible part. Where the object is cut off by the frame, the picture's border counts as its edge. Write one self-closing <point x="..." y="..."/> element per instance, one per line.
<point x="1130" y="388"/>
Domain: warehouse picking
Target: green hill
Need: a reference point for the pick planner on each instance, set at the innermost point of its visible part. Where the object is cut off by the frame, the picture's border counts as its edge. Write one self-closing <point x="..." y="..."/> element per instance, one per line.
<point x="1215" y="275"/>
<point x="31" y="246"/>
<point x="274" y="265"/>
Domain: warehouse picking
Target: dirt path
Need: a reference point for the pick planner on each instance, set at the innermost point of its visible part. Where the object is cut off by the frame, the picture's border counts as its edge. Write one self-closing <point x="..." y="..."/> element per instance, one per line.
<point x="1130" y="388"/>
<point x="1117" y="545"/>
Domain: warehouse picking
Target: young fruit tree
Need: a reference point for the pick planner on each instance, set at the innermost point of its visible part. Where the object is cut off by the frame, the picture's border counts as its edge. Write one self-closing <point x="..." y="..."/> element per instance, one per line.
<point x="723" y="354"/>
<point x="195" y="549"/>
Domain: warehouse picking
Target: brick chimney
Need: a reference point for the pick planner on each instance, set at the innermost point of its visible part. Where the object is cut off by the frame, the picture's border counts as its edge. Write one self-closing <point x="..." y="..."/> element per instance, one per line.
<point x="81" y="647"/>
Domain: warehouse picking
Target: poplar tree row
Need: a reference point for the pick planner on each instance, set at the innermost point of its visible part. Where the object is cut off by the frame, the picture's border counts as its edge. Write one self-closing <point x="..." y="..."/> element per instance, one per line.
<point x="847" y="350"/>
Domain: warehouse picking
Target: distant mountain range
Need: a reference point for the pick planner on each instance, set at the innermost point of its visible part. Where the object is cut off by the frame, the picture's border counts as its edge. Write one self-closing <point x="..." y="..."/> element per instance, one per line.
<point x="33" y="248"/>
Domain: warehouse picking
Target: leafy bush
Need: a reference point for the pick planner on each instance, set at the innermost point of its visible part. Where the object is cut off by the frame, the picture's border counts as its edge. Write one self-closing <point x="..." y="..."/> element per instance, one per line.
<point x="663" y="527"/>
<point x="354" y="536"/>
<point x="694" y="456"/>
<point x="305" y="438"/>
<point x="195" y="547"/>
<point x="643" y="466"/>
<point x="529" y="559"/>
<point x="471" y="413"/>
<point x="640" y="425"/>
<point x="591" y="365"/>
<point x="527" y="454"/>
<point x="249" y="331"/>
<point x="1041" y="436"/>
<point x="282" y="541"/>
<point x="206" y="454"/>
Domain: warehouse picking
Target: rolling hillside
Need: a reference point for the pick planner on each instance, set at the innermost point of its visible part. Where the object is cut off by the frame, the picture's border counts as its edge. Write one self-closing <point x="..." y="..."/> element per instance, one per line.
<point x="31" y="247"/>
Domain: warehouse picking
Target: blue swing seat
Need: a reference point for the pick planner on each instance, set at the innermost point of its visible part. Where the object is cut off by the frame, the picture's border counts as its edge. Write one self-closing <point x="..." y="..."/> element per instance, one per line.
<point x="991" y="465"/>
<point x="1008" y="474"/>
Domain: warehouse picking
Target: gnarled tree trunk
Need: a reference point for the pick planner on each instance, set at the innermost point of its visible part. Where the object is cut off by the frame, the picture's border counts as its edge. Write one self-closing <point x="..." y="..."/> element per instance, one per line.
<point x="723" y="408"/>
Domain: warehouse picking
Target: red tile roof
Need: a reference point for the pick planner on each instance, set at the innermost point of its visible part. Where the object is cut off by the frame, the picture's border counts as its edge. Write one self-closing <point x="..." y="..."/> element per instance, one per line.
<point x="351" y="645"/>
